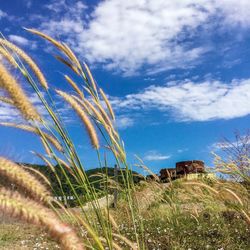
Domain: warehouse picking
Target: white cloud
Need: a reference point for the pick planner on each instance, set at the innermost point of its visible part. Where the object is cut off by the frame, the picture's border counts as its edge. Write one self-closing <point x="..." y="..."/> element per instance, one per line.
<point x="129" y="35"/>
<point x="2" y="14"/>
<point x="67" y="20"/>
<point x="234" y="12"/>
<point x="59" y="6"/>
<point x="123" y="122"/>
<point x="181" y="150"/>
<point x="8" y="17"/>
<point x="8" y="113"/>
<point x="155" y="156"/>
<point x="189" y="101"/>
<point x="19" y="40"/>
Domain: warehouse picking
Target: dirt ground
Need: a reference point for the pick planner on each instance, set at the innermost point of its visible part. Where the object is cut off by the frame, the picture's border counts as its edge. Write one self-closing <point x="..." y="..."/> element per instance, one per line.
<point x="16" y="235"/>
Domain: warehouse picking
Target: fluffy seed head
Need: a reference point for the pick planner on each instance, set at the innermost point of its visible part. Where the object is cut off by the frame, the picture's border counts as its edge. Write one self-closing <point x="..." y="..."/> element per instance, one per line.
<point x="90" y="109"/>
<point x="91" y="78"/>
<point x="6" y="55"/>
<point x="61" y="46"/>
<point x="83" y="116"/>
<point x="107" y="104"/>
<point x="20" y="100"/>
<point x="17" y="206"/>
<point x="74" y="86"/>
<point x="28" y="60"/>
<point x="104" y="114"/>
<point x="17" y="175"/>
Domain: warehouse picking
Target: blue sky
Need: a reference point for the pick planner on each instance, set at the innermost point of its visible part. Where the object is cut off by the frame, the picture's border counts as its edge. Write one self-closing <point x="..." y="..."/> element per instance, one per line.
<point x="176" y="72"/>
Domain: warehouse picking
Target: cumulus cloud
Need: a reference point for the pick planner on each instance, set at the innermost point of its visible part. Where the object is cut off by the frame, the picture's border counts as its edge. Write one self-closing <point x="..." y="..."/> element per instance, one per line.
<point x="155" y="156"/>
<point x="129" y="35"/>
<point x="140" y="32"/>
<point x="189" y="101"/>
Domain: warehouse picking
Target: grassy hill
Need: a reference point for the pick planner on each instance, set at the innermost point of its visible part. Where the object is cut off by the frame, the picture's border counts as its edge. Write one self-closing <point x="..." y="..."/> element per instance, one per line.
<point x="94" y="175"/>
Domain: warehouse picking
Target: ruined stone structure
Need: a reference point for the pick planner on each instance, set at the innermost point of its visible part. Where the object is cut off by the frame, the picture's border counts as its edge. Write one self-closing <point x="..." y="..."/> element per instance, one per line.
<point x="167" y="173"/>
<point x="182" y="169"/>
<point x="188" y="167"/>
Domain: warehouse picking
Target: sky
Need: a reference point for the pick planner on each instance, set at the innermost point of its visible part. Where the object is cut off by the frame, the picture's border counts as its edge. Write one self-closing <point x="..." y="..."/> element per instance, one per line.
<point x="176" y="72"/>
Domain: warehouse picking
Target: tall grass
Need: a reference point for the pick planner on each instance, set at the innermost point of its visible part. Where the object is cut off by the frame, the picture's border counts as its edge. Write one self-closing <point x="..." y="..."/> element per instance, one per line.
<point x="96" y="116"/>
<point x="92" y="106"/>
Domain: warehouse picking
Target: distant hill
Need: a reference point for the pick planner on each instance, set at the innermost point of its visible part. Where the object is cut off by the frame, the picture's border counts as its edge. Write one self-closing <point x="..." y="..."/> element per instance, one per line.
<point x="91" y="173"/>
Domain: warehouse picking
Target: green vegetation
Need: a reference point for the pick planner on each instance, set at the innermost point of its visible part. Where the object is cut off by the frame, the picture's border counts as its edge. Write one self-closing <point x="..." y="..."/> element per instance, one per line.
<point x="183" y="214"/>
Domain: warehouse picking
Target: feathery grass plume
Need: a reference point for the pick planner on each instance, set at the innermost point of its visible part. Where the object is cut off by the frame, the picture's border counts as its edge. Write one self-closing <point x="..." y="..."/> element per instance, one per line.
<point x="46" y="147"/>
<point x="27" y="210"/>
<point x="91" y="109"/>
<point x="48" y="137"/>
<point x="97" y="115"/>
<point x="104" y="114"/>
<point x="100" y="116"/>
<point x="83" y="116"/>
<point x="72" y="56"/>
<point x="91" y="78"/>
<point x="118" y="147"/>
<point x="17" y="175"/>
<point x="107" y="104"/>
<point x="28" y="60"/>
<point x="87" y="90"/>
<point x="68" y="64"/>
<point x="94" y="111"/>
<point x="6" y="100"/>
<point x="46" y="37"/>
<point x="47" y="162"/>
<point x="38" y="173"/>
<point x="61" y="46"/>
<point x="64" y="164"/>
<point x="8" y="57"/>
<point x="74" y="86"/>
<point x="21" y="102"/>
<point x="81" y="102"/>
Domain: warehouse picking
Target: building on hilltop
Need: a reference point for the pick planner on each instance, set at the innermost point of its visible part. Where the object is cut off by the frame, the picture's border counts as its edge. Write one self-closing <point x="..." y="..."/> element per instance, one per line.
<point x="189" y="169"/>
